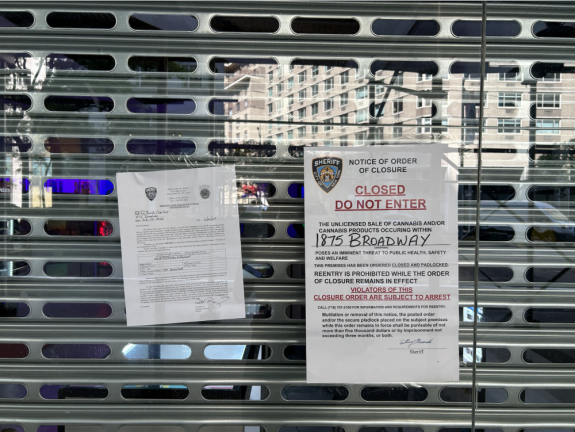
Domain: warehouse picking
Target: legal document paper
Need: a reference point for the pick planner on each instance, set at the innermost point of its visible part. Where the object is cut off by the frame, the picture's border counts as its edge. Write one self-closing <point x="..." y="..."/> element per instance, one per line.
<point x="181" y="252"/>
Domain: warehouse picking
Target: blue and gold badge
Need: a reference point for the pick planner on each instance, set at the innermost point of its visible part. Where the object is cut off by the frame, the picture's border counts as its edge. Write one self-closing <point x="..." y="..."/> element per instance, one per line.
<point x="327" y="172"/>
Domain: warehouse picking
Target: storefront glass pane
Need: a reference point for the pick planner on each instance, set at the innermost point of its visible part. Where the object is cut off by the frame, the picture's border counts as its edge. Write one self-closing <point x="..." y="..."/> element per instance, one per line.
<point x="93" y="89"/>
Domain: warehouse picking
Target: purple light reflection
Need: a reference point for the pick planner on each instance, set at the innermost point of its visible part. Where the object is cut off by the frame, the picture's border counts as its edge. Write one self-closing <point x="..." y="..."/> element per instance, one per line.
<point x="6" y="186"/>
<point x="80" y="186"/>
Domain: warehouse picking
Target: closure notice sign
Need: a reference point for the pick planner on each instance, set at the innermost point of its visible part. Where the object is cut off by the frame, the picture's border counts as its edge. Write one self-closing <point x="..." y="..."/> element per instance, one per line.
<point x="381" y="264"/>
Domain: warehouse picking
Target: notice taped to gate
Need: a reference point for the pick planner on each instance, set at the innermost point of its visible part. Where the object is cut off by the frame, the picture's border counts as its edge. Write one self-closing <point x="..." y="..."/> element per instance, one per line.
<point x="381" y="264"/>
<point x="181" y="250"/>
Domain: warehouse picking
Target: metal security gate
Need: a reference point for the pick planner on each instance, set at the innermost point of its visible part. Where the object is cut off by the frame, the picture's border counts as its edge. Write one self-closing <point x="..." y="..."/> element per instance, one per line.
<point x="89" y="89"/>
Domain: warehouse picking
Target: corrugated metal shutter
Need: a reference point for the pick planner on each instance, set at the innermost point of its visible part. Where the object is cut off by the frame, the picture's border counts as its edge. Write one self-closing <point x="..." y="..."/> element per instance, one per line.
<point x="66" y="160"/>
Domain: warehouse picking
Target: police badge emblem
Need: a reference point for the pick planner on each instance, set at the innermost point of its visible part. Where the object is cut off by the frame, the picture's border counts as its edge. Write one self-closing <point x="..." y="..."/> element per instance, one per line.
<point x="327" y="172"/>
<point x="205" y="191"/>
<point x="151" y="193"/>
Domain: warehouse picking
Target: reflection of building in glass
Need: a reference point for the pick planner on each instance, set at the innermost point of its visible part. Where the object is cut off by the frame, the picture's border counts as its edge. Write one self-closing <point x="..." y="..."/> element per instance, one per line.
<point x="523" y="112"/>
<point x="317" y="105"/>
<point x="334" y="103"/>
<point x="468" y="313"/>
<point x="468" y="355"/>
<point x="247" y="83"/>
<point x="326" y="103"/>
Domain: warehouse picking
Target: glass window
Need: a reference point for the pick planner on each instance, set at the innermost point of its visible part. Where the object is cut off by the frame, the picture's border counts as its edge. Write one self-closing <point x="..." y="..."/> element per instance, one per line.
<point x="328" y="84"/>
<point x="360" y="138"/>
<point x="548" y="100"/>
<point x="512" y="75"/>
<point x="525" y="146"/>
<point x="314" y="108"/>
<point x="361" y="93"/>
<point x="423" y="76"/>
<point x="509" y="126"/>
<point x="548" y="126"/>
<point x="377" y="110"/>
<point x="314" y="71"/>
<point x="551" y="76"/>
<point x="423" y="125"/>
<point x="361" y="115"/>
<point x="472" y="99"/>
<point x="509" y="100"/>
<point x="423" y="102"/>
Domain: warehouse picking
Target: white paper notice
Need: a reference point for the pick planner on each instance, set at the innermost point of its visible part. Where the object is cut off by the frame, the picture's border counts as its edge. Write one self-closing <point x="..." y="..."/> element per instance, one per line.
<point x="381" y="265"/>
<point x="181" y="252"/>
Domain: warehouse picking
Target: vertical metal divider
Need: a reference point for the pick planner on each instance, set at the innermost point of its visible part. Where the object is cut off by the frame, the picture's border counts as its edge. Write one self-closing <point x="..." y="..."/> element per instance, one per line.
<point x="474" y="388"/>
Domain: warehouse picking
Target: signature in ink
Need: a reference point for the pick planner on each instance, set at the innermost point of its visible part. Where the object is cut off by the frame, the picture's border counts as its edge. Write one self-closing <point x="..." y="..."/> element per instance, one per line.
<point x="216" y="304"/>
<point x="210" y="218"/>
<point x="411" y="342"/>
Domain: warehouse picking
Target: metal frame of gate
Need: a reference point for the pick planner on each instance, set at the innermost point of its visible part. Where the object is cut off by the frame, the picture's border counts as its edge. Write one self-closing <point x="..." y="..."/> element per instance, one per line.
<point x="280" y="291"/>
